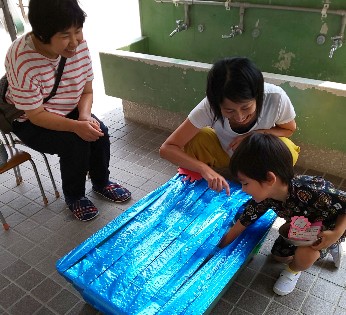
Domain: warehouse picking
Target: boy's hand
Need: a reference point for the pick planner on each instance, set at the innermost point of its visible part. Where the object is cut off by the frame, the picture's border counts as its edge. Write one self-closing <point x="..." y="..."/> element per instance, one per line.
<point x="223" y="243"/>
<point x="325" y="239"/>
<point x="232" y="234"/>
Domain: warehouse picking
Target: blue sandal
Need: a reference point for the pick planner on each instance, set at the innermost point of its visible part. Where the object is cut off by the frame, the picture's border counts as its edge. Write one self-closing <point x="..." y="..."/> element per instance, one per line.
<point x="83" y="209"/>
<point x="113" y="192"/>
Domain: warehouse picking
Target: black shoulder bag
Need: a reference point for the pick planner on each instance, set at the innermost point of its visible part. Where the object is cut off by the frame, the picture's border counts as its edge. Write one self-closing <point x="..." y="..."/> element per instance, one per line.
<point x="9" y="112"/>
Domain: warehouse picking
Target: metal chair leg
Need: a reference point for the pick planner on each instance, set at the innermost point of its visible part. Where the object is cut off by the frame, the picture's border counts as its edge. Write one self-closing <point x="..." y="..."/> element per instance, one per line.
<point x="18" y="175"/>
<point x="13" y="142"/>
<point x="16" y="170"/>
<point x="3" y="221"/>
<point x="45" y="200"/>
<point x="57" y="195"/>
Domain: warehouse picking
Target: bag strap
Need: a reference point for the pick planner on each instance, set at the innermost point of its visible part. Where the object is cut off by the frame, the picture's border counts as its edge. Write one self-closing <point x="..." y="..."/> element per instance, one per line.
<point x="57" y="79"/>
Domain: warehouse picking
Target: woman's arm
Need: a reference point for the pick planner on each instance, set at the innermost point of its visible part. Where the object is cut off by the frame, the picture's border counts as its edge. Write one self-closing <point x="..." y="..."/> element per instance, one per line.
<point x="85" y="102"/>
<point x="232" y="234"/>
<point x="283" y="130"/>
<point x="172" y="150"/>
<point x="86" y="128"/>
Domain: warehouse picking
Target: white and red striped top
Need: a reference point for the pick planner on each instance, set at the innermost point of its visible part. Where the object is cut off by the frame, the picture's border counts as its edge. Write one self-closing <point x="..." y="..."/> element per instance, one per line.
<point x="31" y="78"/>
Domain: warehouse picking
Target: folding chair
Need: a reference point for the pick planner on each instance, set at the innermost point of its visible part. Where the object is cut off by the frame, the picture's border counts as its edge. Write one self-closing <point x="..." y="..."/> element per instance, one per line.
<point x="12" y="141"/>
<point x="15" y="26"/>
<point x="17" y="157"/>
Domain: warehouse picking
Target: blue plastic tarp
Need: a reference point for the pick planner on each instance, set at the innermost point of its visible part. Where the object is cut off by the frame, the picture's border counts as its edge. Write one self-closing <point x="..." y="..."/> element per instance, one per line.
<point x="161" y="256"/>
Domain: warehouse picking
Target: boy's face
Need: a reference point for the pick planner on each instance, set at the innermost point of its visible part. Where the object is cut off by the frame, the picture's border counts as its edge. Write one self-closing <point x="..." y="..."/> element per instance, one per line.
<point x="65" y="43"/>
<point x="258" y="190"/>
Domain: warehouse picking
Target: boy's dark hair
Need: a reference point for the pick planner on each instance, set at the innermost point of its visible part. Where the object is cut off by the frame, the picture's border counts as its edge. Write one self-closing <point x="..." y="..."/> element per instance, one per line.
<point x="48" y="17"/>
<point x="237" y="79"/>
<point x="259" y="154"/>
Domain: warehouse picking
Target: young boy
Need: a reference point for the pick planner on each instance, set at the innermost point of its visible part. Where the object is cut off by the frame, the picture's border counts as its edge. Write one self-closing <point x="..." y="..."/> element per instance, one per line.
<point x="263" y="165"/>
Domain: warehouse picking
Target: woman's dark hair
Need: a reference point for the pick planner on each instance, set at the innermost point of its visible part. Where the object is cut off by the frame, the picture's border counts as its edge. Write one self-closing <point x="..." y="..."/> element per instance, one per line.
<point x="237" y="79"/>
<point x="48" y="17"/>
<point x="259" y="154"/>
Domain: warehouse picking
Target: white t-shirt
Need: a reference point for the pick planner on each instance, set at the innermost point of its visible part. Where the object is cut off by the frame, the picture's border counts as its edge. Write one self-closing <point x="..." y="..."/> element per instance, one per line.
<point x="276" y="109"/>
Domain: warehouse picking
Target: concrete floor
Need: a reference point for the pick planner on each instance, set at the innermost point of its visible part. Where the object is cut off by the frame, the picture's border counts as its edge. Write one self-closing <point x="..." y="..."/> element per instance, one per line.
<point x="29" y="283"/>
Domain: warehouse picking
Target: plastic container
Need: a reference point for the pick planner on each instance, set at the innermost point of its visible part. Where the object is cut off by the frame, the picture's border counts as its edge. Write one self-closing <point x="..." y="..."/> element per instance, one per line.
<point x="283" y="231"/>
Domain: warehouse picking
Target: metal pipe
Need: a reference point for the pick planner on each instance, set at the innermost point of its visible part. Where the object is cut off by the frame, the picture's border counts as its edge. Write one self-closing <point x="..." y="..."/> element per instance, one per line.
<point x="186" y="15"/>
<point x="251" y="5"/>
<point x="245" y="5"/>
<point x="8" y="19"/>
<point x="343" y="24"/>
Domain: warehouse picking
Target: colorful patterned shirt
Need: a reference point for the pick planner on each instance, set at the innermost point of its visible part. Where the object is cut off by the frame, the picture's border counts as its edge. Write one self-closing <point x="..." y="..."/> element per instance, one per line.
<point x="310" y="196"/>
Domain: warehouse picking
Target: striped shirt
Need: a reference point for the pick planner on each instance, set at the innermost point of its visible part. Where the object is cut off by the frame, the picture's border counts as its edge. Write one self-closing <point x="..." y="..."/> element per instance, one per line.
<point x="31" y="77"/>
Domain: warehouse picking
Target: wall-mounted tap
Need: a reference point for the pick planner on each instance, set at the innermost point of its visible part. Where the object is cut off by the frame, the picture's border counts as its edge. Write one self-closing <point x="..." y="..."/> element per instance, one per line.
<point x="235" y="30"/>
<point x="337" y="43"/>
<point x="181" y="26"/>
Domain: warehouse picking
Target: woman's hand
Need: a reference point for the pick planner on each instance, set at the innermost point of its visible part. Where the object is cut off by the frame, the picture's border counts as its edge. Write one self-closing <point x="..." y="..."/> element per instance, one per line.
<point x="88" y="130"/>
<point x="234" y="144"/>
<point x="215" y="180"/>
<point x="86" y="133"/>
<point x="90" y="119"/>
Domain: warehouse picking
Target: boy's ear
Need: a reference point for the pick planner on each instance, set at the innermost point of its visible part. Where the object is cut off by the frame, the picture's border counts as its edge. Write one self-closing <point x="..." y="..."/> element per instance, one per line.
<point x="271" y="178"/>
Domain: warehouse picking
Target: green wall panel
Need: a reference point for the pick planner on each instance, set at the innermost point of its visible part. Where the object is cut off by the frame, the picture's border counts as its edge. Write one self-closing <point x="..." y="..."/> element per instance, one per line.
<point x="170" y="87"/>
<point x="320" y="117"/>
<point x="175" y="86"/>
<point x="286" y="44"/>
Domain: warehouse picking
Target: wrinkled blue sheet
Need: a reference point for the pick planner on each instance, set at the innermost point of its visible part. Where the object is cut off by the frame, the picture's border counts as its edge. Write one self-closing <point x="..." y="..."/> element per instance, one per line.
<point x="161" y="256"/>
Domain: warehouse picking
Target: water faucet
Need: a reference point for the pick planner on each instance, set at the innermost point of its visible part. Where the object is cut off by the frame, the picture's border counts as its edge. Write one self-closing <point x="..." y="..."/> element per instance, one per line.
<point x="181" y="26"/>
<point x="235" y="30"/>
<point x="337" y="43"/>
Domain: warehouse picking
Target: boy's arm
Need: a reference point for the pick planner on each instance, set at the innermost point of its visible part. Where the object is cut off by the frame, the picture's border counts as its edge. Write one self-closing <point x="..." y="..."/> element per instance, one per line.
<point x="232" y="234"/>
<point x="340" y="225"/>
<point x="329" y="237"/>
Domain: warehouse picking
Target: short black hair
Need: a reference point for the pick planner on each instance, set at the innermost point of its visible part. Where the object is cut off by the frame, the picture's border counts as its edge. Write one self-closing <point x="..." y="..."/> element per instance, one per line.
<point x="48" y="17"/>
<point x="259" y="154"/>
<point x="237" y="79"/>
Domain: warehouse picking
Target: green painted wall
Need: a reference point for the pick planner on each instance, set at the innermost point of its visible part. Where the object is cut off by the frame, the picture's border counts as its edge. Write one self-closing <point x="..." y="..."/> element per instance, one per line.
<point x="168" y="87"/>
<point x="320" y="117"/>
<point x="174" y="85"/>
<point x="286" y="44"/>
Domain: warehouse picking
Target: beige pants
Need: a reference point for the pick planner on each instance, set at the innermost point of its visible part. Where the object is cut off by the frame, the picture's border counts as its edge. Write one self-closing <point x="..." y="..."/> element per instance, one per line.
<point x="206" y="147"/>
